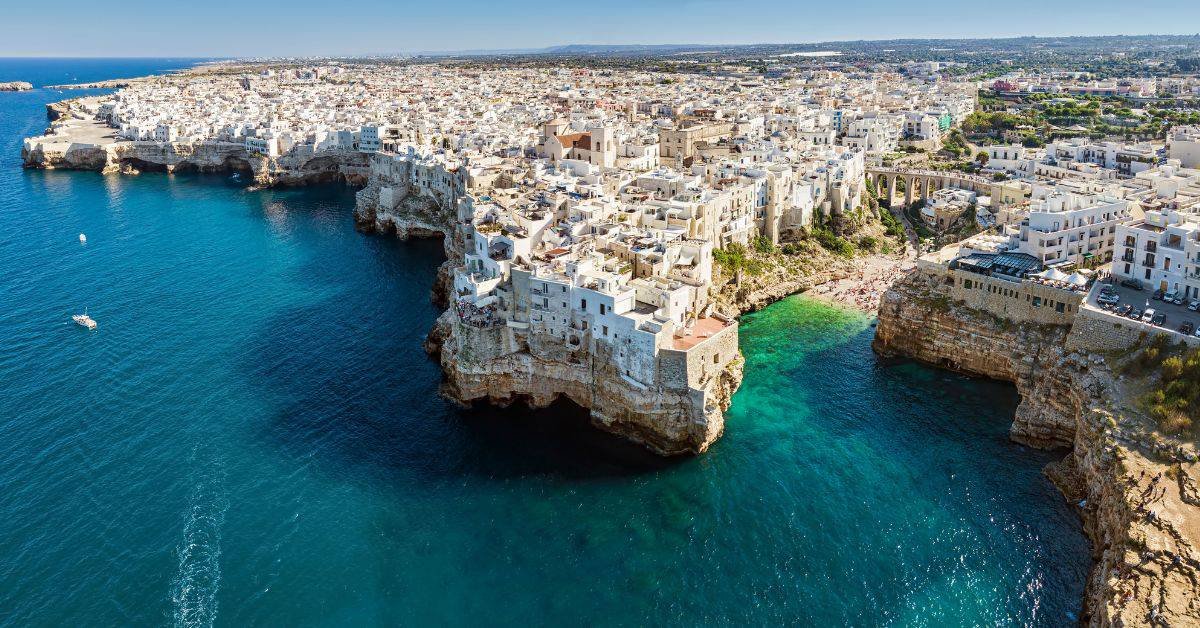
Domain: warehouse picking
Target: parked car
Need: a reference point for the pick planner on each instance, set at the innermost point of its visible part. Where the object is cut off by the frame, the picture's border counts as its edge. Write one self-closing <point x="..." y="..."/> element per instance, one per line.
<point x="1194" y="306"/>
<point x="1187" y="328"/>
<point x="1124" y="310"/>
<point x="1158" y="295"/>
<point x="1148" y="315"/>
<point x="1136" y="315"/>
<point x="1132" y="283"/>
<point x="1159" y="319"/>
<point x="1178" y="300"/>
<point x="1107" y="289"/>
<point x="1108" y="299"/>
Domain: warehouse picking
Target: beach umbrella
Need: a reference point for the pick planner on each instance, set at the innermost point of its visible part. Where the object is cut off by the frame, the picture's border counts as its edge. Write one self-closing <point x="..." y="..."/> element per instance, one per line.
<point x="1054" y="274"/>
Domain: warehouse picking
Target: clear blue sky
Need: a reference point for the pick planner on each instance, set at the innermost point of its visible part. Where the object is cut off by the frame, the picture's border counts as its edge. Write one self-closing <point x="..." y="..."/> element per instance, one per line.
<point x="243" y="28"/>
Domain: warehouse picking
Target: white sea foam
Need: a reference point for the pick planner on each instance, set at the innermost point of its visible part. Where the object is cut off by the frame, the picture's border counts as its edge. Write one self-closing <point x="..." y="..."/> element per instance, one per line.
<point x="198" y="578"/>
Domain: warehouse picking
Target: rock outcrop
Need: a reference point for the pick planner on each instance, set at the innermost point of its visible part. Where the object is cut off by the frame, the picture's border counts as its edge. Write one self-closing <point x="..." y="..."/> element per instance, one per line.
<point x="1137" y="496"/>
<point x="680" y="412"/>
<point x="503" y="365"/>
<point x="15" y="86"/>
<point x="413" y="216"/>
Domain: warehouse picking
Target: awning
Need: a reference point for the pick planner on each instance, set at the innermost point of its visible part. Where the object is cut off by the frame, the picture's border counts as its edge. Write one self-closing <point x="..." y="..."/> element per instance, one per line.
<point x="1052" y="274"/>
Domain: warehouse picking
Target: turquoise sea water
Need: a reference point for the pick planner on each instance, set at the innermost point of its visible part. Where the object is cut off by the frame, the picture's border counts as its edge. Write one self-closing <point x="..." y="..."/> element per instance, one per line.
<point x="253" y="435"/>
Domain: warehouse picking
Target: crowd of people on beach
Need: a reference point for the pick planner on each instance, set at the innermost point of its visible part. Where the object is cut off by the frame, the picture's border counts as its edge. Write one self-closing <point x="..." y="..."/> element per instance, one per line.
<point x="864" y="289"/>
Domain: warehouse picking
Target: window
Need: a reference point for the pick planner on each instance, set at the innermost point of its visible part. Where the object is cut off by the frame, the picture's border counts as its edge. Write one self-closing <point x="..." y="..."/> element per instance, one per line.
<point x="583" y="304"/>
<point x="716" y="358"/>
<point x="602" y="310"/>
<point x="604" y="329"/>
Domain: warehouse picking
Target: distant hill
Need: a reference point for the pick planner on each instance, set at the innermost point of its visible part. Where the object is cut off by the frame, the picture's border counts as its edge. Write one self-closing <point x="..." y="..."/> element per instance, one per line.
<point x="1014" y="44"/>
<point x="606" y="49"/>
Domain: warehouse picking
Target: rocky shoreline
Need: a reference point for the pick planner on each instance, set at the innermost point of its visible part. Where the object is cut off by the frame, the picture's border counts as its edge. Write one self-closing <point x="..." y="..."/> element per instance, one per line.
<point x="502" y="365"/>
<point x="1136" y="493"/>
<point x="15" y="86"/>
<point x="1139" y="509"/>
<point x="75" y="140"/>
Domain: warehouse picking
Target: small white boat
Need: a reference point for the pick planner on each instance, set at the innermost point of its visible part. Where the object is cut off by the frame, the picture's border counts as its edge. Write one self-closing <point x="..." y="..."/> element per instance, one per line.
<point x="83" y="320"/>
<point x="82" y="238"/>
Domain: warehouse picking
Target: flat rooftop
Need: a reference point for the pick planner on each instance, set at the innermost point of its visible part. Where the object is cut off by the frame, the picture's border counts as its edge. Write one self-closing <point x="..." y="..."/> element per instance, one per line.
<point x="704" y="329"/>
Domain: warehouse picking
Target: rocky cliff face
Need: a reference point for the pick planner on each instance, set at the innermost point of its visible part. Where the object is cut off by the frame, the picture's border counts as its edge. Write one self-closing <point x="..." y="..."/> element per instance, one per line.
<point x="1144" y="530"/>
<point x="415" y="217"/>
<point x="502" y="366"/>
<point x="220" y="157"/>
<point x="74" y="141"/>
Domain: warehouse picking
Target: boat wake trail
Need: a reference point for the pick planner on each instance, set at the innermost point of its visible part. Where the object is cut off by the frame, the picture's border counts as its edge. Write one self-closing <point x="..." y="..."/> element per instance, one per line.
<point x="198" y="578"/>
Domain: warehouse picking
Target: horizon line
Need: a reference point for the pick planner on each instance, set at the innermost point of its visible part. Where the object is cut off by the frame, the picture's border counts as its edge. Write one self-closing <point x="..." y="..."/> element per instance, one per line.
<point x="537" y="49"/>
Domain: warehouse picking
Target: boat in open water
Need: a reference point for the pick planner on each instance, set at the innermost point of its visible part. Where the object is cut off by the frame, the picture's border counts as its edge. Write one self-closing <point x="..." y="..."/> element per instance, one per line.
<point x="84" y="320"/>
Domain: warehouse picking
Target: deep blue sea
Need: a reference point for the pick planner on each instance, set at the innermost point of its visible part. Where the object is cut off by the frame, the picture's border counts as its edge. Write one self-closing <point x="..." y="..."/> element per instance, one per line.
<point x="253" y="436"/>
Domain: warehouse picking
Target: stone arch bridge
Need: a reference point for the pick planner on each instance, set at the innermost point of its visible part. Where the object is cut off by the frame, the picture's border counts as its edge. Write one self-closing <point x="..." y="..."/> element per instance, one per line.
<point x="921" y="184"/>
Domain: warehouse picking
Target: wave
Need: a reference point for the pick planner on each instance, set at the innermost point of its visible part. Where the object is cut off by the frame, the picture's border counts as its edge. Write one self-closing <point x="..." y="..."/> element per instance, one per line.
<point x="198" y="578"/>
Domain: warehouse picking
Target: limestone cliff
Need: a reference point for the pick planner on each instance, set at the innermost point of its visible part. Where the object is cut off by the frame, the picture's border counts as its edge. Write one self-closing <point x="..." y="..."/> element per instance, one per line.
<point x="76" y="141"/>
<point x="1137" y="494"/>
<point x="502" y="365"/>
<point x="682" y="411"/>
<point x="414" y="216"/>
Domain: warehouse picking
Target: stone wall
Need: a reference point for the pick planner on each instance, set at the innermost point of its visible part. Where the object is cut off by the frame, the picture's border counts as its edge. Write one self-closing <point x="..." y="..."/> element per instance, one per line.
<point x="707" y="359"/>
<point x="1015" y="301"/>
<point x="1098" y="331"/>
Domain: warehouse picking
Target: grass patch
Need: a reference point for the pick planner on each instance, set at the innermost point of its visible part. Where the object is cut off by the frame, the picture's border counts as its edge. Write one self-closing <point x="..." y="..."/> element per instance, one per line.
<point x="735" y="257"/>
<point x="1173" y="399"/>
<point x="832" y="242"/>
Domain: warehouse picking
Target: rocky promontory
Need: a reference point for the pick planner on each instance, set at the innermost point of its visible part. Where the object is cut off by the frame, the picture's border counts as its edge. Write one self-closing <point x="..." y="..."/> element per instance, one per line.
<point x="76" y="140"/>
<point x="15" y="86"/>
<point x="1136" y="490"/>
